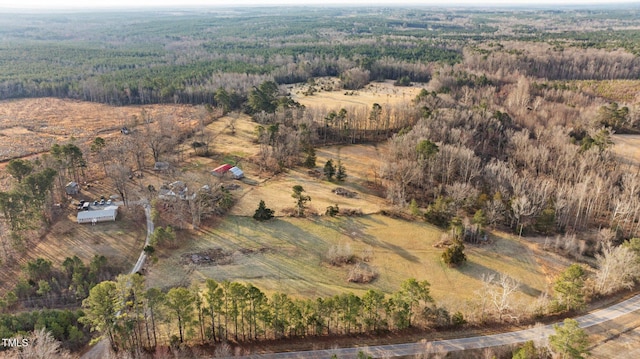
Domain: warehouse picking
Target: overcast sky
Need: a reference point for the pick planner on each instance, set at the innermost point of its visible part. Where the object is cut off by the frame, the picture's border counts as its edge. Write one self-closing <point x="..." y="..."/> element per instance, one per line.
<point x="62" y="4"/>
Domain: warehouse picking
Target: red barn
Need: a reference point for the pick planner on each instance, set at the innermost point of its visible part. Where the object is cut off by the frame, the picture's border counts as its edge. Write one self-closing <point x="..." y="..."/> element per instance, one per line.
<point x="221" y="170"/>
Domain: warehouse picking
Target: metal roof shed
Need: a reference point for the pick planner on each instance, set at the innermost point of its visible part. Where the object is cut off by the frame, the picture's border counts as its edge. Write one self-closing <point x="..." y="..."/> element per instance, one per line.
<point x="236" y="172"/>
<point x="109" y="213"/>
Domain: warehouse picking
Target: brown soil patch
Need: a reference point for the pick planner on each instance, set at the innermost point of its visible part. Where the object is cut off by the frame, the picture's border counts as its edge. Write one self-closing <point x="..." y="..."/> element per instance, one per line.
<point x="219" y="256"/>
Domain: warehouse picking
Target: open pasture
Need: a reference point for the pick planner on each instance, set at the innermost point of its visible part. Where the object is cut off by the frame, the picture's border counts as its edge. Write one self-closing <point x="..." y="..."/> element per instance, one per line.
<point x="289" y="255"/>
<point x="333" y="98"/>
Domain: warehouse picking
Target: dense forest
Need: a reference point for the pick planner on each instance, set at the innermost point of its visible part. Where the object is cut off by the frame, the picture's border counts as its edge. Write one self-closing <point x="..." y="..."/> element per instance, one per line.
<point x="185" y="56"/>
<point x="508" y="132"/>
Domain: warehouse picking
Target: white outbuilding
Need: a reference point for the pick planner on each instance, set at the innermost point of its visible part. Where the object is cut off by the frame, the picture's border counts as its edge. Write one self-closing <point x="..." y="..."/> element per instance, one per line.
<point x="236" y="172"/>
<point x="105" y="214"/>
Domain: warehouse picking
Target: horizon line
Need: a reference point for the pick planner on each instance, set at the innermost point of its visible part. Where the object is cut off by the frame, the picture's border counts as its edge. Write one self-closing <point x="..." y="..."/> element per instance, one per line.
<point x="528" y="4"/>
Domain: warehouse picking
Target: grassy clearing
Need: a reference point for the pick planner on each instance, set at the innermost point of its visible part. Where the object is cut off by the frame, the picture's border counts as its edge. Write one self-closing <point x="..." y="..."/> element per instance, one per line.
<point x="288" y="255"/>
<point x="233" y="146"/>
<point x="627" y="91"/>
<point x="383" y="93"/>
<point x="361" y="161"/>
<point x="276" y="192"/>
<point x="627" y="147"/>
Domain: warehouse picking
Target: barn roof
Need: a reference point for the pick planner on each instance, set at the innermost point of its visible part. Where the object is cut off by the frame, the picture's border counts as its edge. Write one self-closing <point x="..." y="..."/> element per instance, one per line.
<point x="223" y="169"/>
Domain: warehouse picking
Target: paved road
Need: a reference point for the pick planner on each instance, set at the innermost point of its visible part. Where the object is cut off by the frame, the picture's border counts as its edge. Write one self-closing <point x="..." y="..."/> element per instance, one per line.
<point x="410" y="349"/>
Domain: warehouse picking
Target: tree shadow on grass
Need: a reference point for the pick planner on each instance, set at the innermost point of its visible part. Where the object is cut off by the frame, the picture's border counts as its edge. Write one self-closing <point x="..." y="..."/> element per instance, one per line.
<point x="357" y="230"/>
<point x="476" y="270"/>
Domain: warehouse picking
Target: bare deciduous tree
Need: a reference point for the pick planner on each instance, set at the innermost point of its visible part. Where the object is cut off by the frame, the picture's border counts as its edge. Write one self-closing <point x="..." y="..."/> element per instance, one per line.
<point x="120" y="175"/>
<point x="42" y="345"/>
<point x="617" y="269"/>
<point x="500" y="290"/>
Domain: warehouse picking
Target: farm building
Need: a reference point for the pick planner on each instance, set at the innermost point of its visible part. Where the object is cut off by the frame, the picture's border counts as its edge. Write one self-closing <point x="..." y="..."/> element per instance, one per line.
<point x="221" y="170"/>
<point x="72" y="188"/>
<point x="236" y="172"/>
<point x="108" y="213"/>
<point x="176" y="189"/>
<point x="161" y="166"/>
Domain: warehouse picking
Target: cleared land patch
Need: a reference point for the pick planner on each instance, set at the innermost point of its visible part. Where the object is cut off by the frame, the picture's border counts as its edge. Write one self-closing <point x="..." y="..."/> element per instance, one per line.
<point x="383" y="93"/>
<point x="29" y="126"/>
<point x="613" y="90"/>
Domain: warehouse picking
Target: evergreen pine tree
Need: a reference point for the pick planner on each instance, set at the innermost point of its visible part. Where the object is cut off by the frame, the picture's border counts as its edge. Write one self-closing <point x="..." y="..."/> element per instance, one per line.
<point x="329" y="170"/>
<point x="341" y="174"/>
<point x="263" y="213"/>
<point x="310" y="160"/>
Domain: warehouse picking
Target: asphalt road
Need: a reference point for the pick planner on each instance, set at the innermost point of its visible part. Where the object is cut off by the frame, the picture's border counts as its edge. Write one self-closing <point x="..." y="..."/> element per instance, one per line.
<point x="409" y="349"/>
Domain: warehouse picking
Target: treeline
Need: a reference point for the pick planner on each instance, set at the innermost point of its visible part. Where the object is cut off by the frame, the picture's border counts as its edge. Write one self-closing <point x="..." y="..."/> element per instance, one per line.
<point x="44" y="286"/>
<point x="64" y="325"/>
<point x="131" y="316"/>
<point x="196" y="83"/>
<point x="543" y="61"/>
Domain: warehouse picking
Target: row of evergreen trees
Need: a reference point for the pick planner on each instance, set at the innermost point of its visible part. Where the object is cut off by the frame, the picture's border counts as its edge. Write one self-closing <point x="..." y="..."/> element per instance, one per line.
<point x="131" y="316"/>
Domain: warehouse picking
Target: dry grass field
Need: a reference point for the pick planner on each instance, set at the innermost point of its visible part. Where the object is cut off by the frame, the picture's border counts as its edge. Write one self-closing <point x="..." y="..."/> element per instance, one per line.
<point x="383" y="93"/>
<point x="31" y="126"/>
<point x="289" y="255"/>
<point x="624" y="91"/>
<point x="361" y="162"/>
<point x="627" y="147"/>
